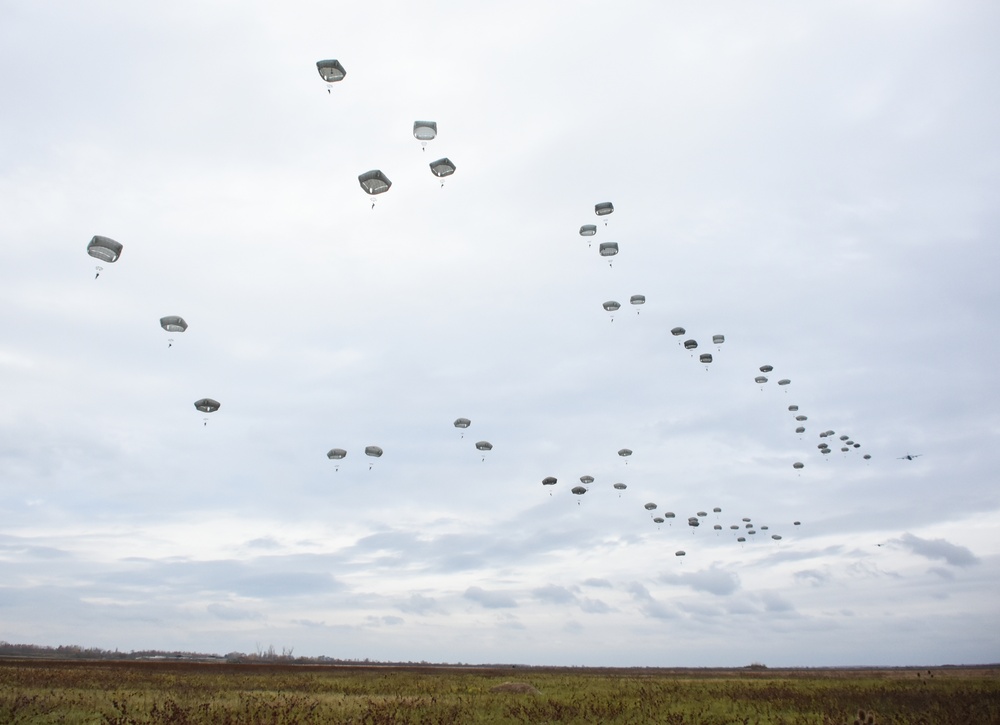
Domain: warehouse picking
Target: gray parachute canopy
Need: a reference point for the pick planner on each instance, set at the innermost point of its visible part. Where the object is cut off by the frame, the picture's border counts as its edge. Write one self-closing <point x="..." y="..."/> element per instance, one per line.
<point x="761" y="379"/>
<point x="173" y="323"/>
<point x="331" y="70"/>
<point x="690" y="344"/>
<point x="604" y="208"/>
<point x="801" y="418"/>
<point x="793" y="408"/>
<point x="657" y="519"/>
<point x="608" y="249"/>
<point x="462" y="422"/>
<point x="766" y="368"/>
<point x="677" y="331"/>
<point x="373" y="451"/>
<point x="588" y="230"/>
<point x="612" y="306"/>
<point x="374" y="182"/>
<point x="484" y="446"/>
<point x="578" y="490"/>
<point x="680" y="553"/>
<point x="104" y="249"/>
<point x="784" y="381"/>
<point x="670" y="514"/>
<point x="620" y="486"/>
<point x="649" y="506"/>
<point x="798" y="464"/>
<point x="638" y="299"/>
<point x="425" y="130"/>
<point x="442" y="167"/>
<point x="867" y="456"/>
<point x="718" y="339"/>
<point x="705" y="357"/>
<point x="549" y="481"/>
<point x="625" y="452"/>
<point x="776" y="537"/>
<point x="336" y="454"/>
<point x="586" y="480"/>
<point x="717" y="510"/>
<point x="741" y="539"/>
<point x="207" y="405"/>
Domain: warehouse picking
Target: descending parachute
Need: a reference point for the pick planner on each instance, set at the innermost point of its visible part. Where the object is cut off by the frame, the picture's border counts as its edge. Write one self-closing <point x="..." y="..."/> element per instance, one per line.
<point x="549" y="481"/>
<point x="374" y="182"/>
<point x="718" y="339"/>
<point x="104" y="249"/>
<point x="690" y="344"/>
<point x="680" y="553"/>
<point x="586" y="480"/>
<point x="173" y="323"/>
<point x="462" y="424"/>
<point x="677" y="332"/>
<point x="374" y="452"/>
<point x="207" y="405"/>
<point x="706" y="358"/>
<point x="336" y="454"/>
<point x="608" y="249"/>
<point x="620" y="487"/>
<point x="612" y="306"/>
<point x="578" y="491"/>
<point x="650" y="506"/>
<point x="442" y="168"/>
<point x="637" y="300"/>
<point x="424" y="131"/>
<point x="625" y="453"/>
<point x="330" y="71"/>
<point x="784" y="381"/>
<point x="766" y="368"/>
<point x="603" y="209"/>
<point x="793" y="408"/>
<point x="588" y="230"/>
<point x="657" y="519"/>
<point x="798" y="465"/>
<point x="484" y="447"/>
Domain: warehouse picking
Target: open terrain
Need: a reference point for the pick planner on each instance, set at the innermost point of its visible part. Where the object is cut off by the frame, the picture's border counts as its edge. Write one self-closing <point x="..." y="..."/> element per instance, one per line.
<point x="186" y="692"/>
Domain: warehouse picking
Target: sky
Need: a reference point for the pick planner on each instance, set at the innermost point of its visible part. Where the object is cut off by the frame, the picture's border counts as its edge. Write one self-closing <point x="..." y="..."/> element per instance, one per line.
<point x="817" y="182"/>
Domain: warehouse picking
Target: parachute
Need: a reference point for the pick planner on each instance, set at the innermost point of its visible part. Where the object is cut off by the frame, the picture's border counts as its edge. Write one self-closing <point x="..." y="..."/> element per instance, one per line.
<point x="424" y="131"/>
<point x="588" y="230"/>
<point x="483" y="447"/>
<point x="586" y="480"/>
<point x="784" y="381"/>
<point x="793" y="408"/>
<point x="798" y="465"/>
<point x="462" y="424"/>
<point x="760" y="379"/>
<point x="766" y="368"/>
<point x="207" y="405"/>
<point x="612" y="307"/>
<point x="677" y="331"/>
<point x="650" y="506"/>
<point x="637" y="300"/>
<point x="680" y="553"/>
<point x="706" y="358"/>
<point x="549" y="481"/>
<point x="330" y="71"/>
<point x="374" y="182"/>
<point x="104" y="249"/>
<point x="374" y="452"/>
<point x="336" y="454"/>
<point x="173" y="324"/>
<point x="603" y="209"/>
<point x="578" y="490"/>
<point x="776" y="537"/>
<point x="625" y="453"/>
<point x="442" y="168"/>
<point x="718" y="339"/>
<point x="608" y="249"/>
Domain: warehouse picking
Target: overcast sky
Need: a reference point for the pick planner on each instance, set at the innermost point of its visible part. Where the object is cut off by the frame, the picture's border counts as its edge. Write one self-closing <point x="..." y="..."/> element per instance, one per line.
<point x="818" y="182"/>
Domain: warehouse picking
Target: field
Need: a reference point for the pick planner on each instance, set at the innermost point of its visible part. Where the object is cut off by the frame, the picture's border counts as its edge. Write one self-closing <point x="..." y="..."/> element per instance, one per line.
<point x="192" y="693"/>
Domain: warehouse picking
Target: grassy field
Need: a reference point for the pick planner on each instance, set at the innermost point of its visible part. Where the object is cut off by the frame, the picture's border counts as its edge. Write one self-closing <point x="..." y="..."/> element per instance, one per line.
<point x="190" y="693"/>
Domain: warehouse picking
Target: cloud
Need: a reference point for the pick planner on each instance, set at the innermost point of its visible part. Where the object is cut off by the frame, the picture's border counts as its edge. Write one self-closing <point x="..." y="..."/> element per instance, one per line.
<point x="595" y="582"/>
<point x="419" y="604"/>
<point x="813" y="576"/>
<point x="938" y="549"/>
<point x="714" y="581"/>
<point x="234" y="614"/>
<point x="490" y="600"/>
<point x="554" y="593"/>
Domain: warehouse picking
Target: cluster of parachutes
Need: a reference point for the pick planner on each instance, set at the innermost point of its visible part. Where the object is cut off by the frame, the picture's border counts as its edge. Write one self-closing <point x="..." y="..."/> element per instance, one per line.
<point x="848" y="445"/>
<point x="375" y="181"/>
<point x="107" y="250"/>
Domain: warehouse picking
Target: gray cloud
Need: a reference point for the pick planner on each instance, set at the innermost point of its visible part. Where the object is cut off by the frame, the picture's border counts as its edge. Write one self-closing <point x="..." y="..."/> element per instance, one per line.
<point x="938" y="549"/>
<point x="714" y="581"/>
<point x="490" y="599"/>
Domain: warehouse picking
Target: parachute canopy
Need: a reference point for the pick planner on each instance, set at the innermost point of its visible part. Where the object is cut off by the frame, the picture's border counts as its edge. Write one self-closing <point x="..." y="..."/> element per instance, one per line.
<point x="766" y="368"/>
<point x="798" y="464"/>
<point x="604" y="208"/>
<point x="586" y="480"/>
<point x="104" y="249"/>
<point x="705" y="357"/>
<point x="462" y="422"/>
<point x="331" y="70"/>
<point x="625" y="452"/>
<point x="718" y="339"/>
<point x="680" y="553"/>
<point x="690" y="344"/>
<point x="336" y="454"/>
<point x="649" y="506"/>
<point x="173" y="323"/>
<point x="638" y="299"/>
<point x="442" y="167"/>
<point x="207" y="405"/>
<point x="608" y="249"/>
<point x="578" y="490"/>
<point x="484" y="446"/>
<point x="373" y="451"/>
<point x="612" y="306"/>
<point x="374" y="182"/>
<point x="588" y="230"/>
<point x="549" y="481"/>
<point x="425" y="130"/>
<point x="620" y="486"/>
<point x="677" y="331"/>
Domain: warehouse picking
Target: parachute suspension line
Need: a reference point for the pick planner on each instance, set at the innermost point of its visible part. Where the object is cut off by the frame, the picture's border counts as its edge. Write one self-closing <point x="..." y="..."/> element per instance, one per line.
<point x="99" y="270"/>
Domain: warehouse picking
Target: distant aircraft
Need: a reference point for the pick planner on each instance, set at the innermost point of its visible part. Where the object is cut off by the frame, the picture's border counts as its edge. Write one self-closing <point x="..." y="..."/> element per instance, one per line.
<point x="910" y="456"/>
